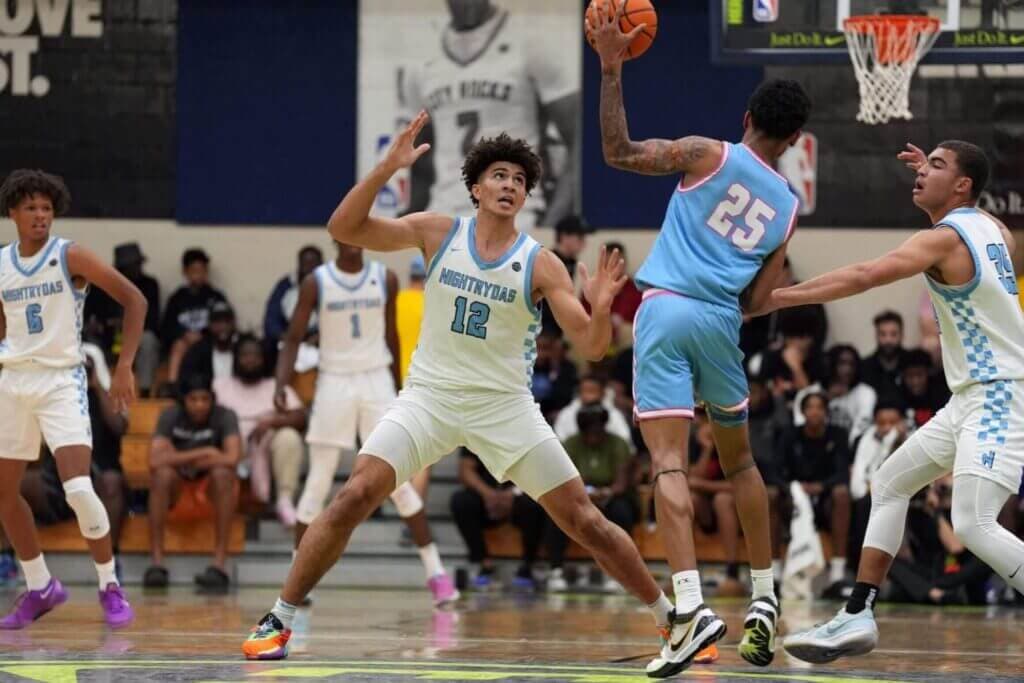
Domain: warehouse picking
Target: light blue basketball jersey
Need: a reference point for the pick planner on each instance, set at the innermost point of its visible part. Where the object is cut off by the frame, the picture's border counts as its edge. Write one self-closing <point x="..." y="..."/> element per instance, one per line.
<point x="717" y="233"/>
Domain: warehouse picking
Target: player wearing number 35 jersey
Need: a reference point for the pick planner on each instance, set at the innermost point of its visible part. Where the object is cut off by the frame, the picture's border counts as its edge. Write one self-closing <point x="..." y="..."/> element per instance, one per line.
<point x="722" y="242"/>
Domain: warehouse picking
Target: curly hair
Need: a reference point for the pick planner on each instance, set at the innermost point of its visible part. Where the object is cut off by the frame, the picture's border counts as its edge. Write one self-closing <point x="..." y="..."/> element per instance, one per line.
<point x="26" y="182"/>
<point x="779" y="108"/>
<point x="500" y="148"/>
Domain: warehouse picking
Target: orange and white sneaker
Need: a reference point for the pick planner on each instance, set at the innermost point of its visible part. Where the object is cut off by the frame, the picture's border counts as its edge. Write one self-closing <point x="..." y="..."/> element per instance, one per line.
<point x="268" y="640"/>
<point x="708" y="655"/>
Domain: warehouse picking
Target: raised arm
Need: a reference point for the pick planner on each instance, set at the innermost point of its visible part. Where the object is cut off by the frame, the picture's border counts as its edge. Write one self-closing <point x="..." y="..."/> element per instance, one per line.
<point x="351" y="222"/>
<point x="692" y="155"/>
<point x="590" y="333"/>
<point x="285" y="370"/>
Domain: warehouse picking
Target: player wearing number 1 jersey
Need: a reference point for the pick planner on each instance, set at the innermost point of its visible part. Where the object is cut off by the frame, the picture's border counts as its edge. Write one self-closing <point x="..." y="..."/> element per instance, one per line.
<point x="723" y="241"/>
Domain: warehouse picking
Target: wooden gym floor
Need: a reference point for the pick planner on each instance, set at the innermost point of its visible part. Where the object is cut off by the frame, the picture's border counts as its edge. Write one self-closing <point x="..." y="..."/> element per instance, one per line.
<point x="359" y="636"/>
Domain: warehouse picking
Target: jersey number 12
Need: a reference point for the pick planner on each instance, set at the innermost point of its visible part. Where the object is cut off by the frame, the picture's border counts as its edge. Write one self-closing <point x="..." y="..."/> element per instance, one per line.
<point x="755" y="212"/>
<point x="476" y="326"/>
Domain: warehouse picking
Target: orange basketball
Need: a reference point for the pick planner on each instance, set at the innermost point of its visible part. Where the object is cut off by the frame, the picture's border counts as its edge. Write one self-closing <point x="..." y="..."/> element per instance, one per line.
<point x="637" y="12"/>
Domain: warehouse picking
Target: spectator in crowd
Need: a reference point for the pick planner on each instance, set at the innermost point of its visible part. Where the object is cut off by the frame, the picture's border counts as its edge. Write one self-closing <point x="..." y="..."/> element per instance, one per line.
<point x="817" y="456"/>
<point x="923" y="393"/>
<point x="887" y="433"/>
<point x="929" y="326"/>
<point x="285" y="295"/>
<point x="103" y="316"/>
<point x="188" y="310"/>
<point x="714" y="506"/>
<point x="193" y="456"/>
<point x="570" y="241"/>
<point x="625" y="304"/>
<point x="851" y="402"/>
<point x="554" y="375"/>
<point x="882" y="369"/>
<point x="620" y="382"/>
<point x="934" y="567"/>
<point x="605" y="463"/>
<point x="797" y="364"/>
<point x="763" y="332"/>
<point x="592" y="389"/>
<point x="214" y="355"/>
<point x="269" y="438"/>
<point x="484" y="503"/>
<point x="768" y="419"/>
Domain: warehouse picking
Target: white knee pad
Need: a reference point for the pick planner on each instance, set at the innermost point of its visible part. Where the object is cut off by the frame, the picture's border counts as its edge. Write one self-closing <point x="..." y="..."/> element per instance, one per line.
<point x="323" y="463"/>
<point x="92" y="516"/>
<point x="407" y="500"/>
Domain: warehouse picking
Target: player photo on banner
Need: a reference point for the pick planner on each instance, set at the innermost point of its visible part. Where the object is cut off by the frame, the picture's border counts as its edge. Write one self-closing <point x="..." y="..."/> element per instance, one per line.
<point x="480" y="68"/>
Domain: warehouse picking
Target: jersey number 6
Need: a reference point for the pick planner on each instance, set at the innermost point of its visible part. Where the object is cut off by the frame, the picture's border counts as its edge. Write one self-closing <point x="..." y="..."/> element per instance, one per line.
<point x="34" y="320"/>
<point x="744" y="236"/>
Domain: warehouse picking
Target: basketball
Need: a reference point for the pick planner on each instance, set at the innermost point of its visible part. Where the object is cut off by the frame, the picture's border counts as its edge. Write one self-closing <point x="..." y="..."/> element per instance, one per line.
<point x="637" y="12"/>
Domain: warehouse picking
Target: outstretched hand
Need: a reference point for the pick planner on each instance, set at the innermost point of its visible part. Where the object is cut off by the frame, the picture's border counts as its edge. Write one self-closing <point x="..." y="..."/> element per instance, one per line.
<point x="601" y="289"/>
<point x="913" y="156"/>
<point x="605" y="34"/>
<point x="403" y="151"/>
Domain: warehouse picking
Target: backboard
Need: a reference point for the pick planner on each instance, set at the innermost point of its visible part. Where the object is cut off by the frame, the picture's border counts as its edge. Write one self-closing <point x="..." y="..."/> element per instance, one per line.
<point x="811" y="31"/>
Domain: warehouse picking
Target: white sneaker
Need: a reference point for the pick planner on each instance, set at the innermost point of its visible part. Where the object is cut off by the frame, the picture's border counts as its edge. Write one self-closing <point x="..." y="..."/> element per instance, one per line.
<point x="845" y="635"/>
<point x="690" y="634"/>
<point x="557" y="582"/>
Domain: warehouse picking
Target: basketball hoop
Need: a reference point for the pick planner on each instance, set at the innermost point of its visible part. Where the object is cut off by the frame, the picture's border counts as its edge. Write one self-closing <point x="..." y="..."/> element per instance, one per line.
<point x="886" y="50"/>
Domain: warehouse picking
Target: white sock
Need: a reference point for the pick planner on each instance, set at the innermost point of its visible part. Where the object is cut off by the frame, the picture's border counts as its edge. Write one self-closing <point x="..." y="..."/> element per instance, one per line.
<point x="687" y="587"/>
<point x="107" y="574"/>
<point x="777" y="569"/>
<point x="431" y="560"/>
<point x="37" y="576"/>
<point x="660" y="608"/>
<point x="284" y="611"/>
<point x="837" y="569"/>
<point x="764" y="585"/>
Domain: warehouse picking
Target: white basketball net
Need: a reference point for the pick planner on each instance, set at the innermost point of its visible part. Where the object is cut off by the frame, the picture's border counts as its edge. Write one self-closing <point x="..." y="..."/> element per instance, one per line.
<point x="886" y="50"/>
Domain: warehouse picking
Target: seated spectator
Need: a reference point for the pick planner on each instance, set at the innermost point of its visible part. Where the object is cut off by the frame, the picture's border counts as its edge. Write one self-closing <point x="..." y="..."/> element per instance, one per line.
<point x="570" y="241"/>
<point x="767" y="420"/>
<point x="934" y="567"/>
<point x="923" y="392"/>
<point x="620" y="382"/>
<point x="624" y="306"/>
<point x="483" y="503"/>
<point x="605" y="464"/>
<point x="851" y="402"/>
<point x="193" y="456"/>
<point x="103" y="316"/>
<point x="214" y="355"/>
<point x="554" y="375"/>
<point x="188" y="310"/>
<point x="878" y="442"/>
<point x="817" y="456"/>
<point x="409" y="313"/>
<point x="269" y="438"/>
<point x="797" y="364"/>
<point x="763" y="332"/>
<point x="882" y="369"/>
<point x="592" y="390"/>
<point x="285" y="295"/>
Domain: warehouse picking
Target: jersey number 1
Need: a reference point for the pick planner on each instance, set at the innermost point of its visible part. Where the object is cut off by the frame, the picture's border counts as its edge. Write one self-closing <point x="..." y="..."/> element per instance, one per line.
<point x="476" y="326"/>
<point x="34" y="320"/>
<point x="747" y="235"/>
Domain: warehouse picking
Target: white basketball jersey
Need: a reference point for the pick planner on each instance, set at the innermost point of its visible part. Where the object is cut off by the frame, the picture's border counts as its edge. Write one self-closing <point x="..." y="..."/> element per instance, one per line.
<point x="486" y="81"/>
<point x="981" y="323"/>
<point x="479" y="322"/>
<point x="351" y="307"/>
<point x="42" y="308"/>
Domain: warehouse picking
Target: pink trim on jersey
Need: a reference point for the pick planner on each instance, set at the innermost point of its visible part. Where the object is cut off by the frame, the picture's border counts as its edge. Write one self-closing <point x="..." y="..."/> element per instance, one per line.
<point x="725" y="156"/>
<point x="736" y="408"/>
<point x="763" y="163"/>
<point x="651" y="293"/>
<point x="792" y="220"/>
<point x="665" y="412"/>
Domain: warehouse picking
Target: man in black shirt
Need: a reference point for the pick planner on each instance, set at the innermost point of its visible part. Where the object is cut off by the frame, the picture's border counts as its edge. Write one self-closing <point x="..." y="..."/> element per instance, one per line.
<point x="188" y="310"/>
<point x="193" y="456"/>
<point x="881" y="370"/>
<point x="214" y="354"/>
<point x="570" y="240"/>
<point x="817" y="455"/>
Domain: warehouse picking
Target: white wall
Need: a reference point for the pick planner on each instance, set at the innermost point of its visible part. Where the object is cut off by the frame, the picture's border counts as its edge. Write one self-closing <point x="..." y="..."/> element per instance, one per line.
<point x="247" y="261"/>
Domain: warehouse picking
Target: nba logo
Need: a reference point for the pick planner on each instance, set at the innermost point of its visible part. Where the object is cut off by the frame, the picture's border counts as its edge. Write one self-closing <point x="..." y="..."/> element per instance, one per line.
<point x="799" y="165"/>
<point x="766" y="11"/>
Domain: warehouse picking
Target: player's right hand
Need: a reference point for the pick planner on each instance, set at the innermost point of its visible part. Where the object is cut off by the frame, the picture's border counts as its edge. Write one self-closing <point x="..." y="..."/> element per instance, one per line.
<point x="913" y="156"/>
<point x="606" y="35"/>
<point x="403" y="151"/>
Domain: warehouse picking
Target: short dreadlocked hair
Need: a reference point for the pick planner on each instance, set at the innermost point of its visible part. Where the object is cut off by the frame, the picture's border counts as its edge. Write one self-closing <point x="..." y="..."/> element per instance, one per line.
<point x="26" y="182"/>
<point x="500" y="148"/>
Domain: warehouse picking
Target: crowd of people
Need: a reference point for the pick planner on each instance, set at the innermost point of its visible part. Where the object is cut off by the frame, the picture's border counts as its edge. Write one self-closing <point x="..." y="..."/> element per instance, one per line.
<point x="822" y="418"/>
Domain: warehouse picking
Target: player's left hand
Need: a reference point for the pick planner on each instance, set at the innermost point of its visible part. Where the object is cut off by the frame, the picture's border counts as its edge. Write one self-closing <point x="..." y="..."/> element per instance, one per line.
<point x="122" y="387"/>
<point x="607" y="282"/>
<point x="913" y="156"/>
<point x="606" y="35"/>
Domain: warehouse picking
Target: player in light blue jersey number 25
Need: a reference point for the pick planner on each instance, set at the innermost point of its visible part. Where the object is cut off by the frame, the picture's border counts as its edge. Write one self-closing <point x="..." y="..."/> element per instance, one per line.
<point x="722" y="242"/>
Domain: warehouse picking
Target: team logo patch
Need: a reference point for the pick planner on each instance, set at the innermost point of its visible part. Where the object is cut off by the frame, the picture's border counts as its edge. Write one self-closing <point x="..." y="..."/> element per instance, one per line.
<point x="516" y="266"/>
<point x="53" y="262"/>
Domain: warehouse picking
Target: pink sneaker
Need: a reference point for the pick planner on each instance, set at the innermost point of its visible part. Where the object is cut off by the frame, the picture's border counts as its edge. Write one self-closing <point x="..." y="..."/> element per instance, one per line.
<point x="286" y="512"/>
<point x="31" y="605"/>
<point x="443" y="590"/>
<point x="115" y="606"/>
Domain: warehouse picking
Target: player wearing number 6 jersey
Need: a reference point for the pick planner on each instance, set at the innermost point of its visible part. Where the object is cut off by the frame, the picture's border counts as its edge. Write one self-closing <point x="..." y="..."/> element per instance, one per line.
<point x="723" y="240"/>
<point x="469" y="382"/>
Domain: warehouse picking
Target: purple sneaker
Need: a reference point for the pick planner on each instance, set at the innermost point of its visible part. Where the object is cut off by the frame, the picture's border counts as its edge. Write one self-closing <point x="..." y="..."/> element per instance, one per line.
<point x="31" y="605"/>
<point x="443" y="590"/>
<point x="115" y="606"/>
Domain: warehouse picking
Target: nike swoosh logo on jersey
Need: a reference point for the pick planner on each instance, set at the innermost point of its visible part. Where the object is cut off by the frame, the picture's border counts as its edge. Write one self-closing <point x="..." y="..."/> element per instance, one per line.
<point x="1015" y="571"/>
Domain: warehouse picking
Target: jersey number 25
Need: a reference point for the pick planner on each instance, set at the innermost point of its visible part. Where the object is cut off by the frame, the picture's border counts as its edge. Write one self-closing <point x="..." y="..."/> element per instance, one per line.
<point x="749" y="232"/>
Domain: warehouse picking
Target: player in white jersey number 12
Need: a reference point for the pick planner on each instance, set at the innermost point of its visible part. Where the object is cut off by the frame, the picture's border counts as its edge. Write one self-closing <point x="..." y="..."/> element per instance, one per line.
<point x="469" y="383"/>
<point x="43" y="281"/>
<point x="979" y="434"/>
